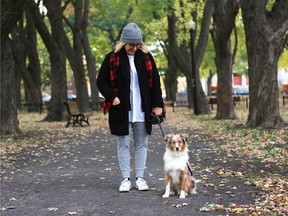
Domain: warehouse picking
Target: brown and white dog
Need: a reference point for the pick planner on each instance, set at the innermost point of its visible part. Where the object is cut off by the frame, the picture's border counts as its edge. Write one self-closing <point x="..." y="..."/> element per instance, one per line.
<point x="177" y="176"/>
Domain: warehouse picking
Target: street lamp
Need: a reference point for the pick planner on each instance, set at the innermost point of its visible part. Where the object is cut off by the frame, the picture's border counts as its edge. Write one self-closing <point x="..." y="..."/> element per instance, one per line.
<point x="191" y="26"/>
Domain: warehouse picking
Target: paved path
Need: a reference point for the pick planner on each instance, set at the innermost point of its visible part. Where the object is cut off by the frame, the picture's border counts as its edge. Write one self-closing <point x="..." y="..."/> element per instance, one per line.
<point x="81" y="177"/>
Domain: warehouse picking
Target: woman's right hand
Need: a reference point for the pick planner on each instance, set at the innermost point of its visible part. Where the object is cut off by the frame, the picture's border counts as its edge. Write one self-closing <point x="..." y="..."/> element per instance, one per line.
<point x="116" y="101"/>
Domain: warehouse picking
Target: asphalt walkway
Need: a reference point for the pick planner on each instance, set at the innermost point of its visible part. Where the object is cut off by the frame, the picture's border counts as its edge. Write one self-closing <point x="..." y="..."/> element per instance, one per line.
<point x="81" y="177"/>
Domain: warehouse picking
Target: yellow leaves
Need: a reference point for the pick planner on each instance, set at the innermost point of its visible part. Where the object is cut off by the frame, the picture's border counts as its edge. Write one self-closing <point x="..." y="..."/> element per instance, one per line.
<point x="269" y="147"/>
<point x="274" y="195"/>
<point x="221" y="172"/>
<point x="212" y="207"/>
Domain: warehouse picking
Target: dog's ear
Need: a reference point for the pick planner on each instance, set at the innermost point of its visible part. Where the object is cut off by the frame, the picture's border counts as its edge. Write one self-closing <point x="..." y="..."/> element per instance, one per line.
<point x="167" y="138"/>
<point x="184" y="137"/>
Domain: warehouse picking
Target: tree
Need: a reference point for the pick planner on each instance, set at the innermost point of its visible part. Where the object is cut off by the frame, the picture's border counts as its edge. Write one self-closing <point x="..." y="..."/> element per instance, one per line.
<point x="54" y="44"/>
<point x="25" y="45"/>
<point x="265" y="32"/>
<point x="74" y="54"/>
<point x="224" y="19"/>
<point x="11" y="11"/>
<point x="182" y="56"/>
<point x="91" y="67"/>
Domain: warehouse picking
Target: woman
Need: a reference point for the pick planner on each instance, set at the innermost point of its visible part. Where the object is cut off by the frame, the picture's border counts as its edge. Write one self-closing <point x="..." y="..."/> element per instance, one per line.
<point x="130" y="82"/>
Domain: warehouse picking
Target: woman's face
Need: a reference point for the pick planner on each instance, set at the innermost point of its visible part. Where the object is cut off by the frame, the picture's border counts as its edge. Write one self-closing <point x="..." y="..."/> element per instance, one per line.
<point x="131" y="48"/>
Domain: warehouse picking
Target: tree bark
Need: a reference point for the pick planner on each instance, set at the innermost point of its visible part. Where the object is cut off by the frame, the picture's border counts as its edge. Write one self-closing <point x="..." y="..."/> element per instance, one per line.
<point x="224" y="18"/>
<point x="11" y="11"/>
<point x="265" y="32"/>
<point x="183" y="57"/>
<point x="8" y="108"/>
<point x="170" y="80"/>
<point x="75" y="56"/>
<point x="33" y="67"/>
<point x="91" y="65"/>
<point x="54" y="46"/>
<point x="171" y="74"/>
<point x="209" y="82"/>
<point x="25" y="45"/>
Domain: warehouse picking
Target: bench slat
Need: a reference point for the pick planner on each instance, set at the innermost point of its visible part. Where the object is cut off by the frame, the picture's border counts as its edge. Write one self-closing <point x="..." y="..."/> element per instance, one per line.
<point x="74" y="116"/>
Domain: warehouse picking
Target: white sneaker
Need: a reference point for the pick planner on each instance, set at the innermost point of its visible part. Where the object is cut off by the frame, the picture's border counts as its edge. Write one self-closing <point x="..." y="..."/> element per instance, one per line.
<point x="125" y="185"/>
<point x="141" y="184"/>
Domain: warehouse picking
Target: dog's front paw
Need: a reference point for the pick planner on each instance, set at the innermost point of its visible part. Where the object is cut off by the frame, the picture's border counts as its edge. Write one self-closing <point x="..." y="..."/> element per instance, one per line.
<point x="182" y="195"/>
<point x="165" y="195"/>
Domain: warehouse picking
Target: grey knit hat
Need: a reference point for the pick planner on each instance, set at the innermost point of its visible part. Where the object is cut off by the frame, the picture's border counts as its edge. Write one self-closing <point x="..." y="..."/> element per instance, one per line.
<point x="131" y="33"/>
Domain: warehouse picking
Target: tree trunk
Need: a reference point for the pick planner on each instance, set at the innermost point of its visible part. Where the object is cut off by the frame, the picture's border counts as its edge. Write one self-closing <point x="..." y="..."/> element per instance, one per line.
<point x="183" y="57"/>
<point x="11" y="11"/>
<point x="170" y="80"/>
<point x="8" y="108"/>
<point x="33" y="67"/>
<point x="75" y="56"/>
<point x="224" y="17"/>
<point x="265" y="32"/>
<point x="25" y="43"/>
<point x="91" y="66"/>
<point x="209" y="82"/>
<point x="53" y="44"/>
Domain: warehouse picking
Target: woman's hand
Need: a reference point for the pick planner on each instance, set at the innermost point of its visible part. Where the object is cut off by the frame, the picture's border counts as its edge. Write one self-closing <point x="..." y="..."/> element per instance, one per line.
<point x="157" y="111"/>
<point x="116" y="101"/>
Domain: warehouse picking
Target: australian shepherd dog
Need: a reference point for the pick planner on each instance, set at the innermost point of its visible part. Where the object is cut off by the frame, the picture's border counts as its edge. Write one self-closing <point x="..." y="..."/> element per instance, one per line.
<point x="178" y="179"/>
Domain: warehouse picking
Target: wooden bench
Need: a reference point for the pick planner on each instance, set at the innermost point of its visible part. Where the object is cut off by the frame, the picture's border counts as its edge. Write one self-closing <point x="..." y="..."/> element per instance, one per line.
<point x="170" y="104"/>
<point x="74" y="116"/>
<point x="213" y="100"/>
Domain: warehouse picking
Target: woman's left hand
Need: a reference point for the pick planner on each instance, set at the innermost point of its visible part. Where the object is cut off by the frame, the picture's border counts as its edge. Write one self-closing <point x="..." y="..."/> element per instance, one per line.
<point x="157" y="111"/>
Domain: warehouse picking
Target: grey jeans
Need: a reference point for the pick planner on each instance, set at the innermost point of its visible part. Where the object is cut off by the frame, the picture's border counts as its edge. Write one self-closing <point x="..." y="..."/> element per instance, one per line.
<point x="140" y="137"/>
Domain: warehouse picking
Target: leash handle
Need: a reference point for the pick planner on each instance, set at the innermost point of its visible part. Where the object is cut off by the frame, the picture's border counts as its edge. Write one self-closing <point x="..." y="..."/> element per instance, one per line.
<point x="160" y="126"/>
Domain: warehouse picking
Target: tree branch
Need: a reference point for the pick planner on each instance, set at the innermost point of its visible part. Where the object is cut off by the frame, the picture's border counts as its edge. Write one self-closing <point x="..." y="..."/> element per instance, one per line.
<point x="67" y="22"/>
<point x="235" y="45"/>
<point x="65" y="5"/>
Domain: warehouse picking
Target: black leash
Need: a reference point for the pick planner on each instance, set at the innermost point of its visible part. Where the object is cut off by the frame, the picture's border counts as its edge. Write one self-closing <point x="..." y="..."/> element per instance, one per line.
<point x="159" y="122"/>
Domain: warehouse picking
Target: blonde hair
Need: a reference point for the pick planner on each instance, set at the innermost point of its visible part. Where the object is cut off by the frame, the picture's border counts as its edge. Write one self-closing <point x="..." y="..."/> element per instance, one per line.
<point x="119" y="45"/>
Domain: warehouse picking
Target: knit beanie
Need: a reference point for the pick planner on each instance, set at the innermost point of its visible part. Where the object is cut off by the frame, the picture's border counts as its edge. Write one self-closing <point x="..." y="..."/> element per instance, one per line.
<point x="131" y="33"/>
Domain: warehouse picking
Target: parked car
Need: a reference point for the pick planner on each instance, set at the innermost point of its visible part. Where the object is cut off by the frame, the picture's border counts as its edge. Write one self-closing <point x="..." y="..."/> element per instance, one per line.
<point x="71" y="97"/>
<point x="46" y="97"/>
<point x="237" y="90"/>
<point x="240" y="90"/>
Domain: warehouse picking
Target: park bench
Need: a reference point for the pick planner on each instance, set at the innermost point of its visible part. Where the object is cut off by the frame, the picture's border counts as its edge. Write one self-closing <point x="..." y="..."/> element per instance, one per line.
<point x="170" y="104"/>
<point x="213" y="100"/>
<point x="74" y="116"/>
<point x="29" y="107"/>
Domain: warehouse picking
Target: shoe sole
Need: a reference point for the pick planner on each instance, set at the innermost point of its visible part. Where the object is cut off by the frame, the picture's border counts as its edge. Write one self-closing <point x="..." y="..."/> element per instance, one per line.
<point x="145" y="189"/>
<point x="125" y="190"/>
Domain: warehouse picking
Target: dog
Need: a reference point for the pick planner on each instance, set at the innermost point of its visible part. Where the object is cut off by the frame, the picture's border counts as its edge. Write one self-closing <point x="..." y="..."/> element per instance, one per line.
<point x="178" y="179"/>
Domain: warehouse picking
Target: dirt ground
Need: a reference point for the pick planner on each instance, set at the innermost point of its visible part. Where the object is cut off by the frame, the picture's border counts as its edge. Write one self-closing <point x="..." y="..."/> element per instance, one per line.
<point x="80" y="176"/>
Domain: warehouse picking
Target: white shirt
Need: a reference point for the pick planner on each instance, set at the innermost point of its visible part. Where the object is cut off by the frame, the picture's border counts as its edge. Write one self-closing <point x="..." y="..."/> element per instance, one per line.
<point x="136" y="113"/>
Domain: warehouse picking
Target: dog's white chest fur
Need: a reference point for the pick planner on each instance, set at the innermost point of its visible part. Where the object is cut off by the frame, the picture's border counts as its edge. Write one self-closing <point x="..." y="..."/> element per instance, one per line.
<point x="174" y="162"/>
